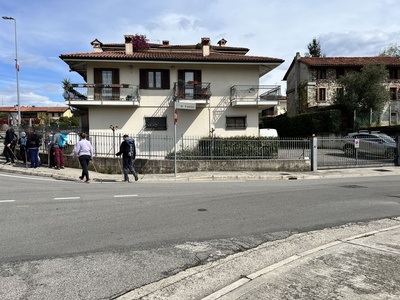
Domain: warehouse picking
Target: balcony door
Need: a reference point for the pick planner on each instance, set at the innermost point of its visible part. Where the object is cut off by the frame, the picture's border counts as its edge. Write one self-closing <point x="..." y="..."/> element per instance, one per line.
<point x="192" y="79"/>
<point x="106" y="78"/>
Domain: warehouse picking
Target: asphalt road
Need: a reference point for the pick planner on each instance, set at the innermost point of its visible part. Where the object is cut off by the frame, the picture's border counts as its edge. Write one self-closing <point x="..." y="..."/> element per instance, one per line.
<point x="68" y="240"/>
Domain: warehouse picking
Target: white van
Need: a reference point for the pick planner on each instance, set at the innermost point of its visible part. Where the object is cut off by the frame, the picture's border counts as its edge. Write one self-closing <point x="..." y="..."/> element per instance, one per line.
<point x="268" y="132"/>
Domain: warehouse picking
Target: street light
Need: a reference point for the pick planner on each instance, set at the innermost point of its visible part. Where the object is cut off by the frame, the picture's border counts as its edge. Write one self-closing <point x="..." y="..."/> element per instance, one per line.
<point x="16" y="68"/>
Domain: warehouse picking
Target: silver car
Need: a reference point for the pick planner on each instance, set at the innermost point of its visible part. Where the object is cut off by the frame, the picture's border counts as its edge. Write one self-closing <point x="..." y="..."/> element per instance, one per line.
<point x="369" y="143"/>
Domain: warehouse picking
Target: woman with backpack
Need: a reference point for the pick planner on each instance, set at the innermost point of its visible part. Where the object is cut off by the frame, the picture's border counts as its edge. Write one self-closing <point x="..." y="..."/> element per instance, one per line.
<point x="59" y="141"/>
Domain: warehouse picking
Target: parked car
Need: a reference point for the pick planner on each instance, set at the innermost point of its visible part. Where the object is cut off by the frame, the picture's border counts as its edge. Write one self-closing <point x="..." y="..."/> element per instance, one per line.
<point x="369" y="143"/>
<point x="268" y="132"/>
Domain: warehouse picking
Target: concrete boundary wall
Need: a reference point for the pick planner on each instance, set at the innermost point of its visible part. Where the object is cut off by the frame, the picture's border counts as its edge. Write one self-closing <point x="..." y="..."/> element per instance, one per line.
<point x="147" y="166"/>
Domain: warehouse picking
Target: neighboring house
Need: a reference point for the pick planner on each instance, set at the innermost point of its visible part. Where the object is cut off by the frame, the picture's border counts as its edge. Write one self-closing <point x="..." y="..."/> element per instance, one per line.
<point x="215" y="88"/>
<point x="34" y="112"/>
<point x="312" y="82"/>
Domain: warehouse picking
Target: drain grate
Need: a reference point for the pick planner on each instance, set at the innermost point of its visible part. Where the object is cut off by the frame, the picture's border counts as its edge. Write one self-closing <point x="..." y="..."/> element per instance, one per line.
<point x="353" y="186"/>
<point x="382" y="170"/>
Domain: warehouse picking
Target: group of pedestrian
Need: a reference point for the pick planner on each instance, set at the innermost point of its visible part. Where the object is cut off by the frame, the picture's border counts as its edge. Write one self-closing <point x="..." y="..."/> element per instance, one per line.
<point x="30" y="144"/>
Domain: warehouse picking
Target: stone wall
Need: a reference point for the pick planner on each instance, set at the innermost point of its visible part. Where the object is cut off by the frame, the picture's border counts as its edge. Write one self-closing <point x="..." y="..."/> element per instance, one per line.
<point x="152" y="166"/>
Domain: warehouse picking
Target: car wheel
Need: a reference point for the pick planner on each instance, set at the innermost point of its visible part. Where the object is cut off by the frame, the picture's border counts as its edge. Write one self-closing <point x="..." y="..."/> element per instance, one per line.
<point x="349" y="151"/>
<point x="391" y="153"/>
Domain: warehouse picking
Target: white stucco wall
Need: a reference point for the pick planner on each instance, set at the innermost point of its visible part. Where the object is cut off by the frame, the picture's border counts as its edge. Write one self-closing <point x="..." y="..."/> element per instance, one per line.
<point x="159" y="103"/>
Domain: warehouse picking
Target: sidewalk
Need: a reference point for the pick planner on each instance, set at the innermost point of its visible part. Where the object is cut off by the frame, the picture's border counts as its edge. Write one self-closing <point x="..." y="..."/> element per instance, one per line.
<point x="354" y="261"/>
<point x="73" y="174"/>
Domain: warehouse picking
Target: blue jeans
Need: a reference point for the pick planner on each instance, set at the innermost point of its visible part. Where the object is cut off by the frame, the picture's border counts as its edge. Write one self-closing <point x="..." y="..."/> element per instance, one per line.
<point x="127" y="164"/>
<point x="34" y="155"/>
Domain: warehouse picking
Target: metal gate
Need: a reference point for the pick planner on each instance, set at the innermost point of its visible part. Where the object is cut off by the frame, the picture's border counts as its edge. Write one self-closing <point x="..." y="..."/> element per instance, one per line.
<point x="354" y="153"/>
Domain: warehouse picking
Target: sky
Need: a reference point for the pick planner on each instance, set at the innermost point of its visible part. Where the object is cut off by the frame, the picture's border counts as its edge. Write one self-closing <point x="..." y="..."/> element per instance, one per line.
<point x="272" y="28"/>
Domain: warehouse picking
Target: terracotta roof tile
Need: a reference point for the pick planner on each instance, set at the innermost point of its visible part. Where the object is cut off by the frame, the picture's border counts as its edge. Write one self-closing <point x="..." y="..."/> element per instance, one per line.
<point x="170" y="56"/>
<point x="55" y="109"/>
<point x="349" y="61"/>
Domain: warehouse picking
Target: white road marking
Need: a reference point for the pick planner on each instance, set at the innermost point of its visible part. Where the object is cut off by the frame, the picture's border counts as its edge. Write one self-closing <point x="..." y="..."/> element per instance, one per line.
<point x="5" y="201"/>
<point x="67" y="198"/>
<point x="124" y="196"/>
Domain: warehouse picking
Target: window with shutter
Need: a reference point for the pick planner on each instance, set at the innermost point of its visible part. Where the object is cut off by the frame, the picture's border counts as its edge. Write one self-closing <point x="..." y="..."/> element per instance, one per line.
<point x="154" y="79"/>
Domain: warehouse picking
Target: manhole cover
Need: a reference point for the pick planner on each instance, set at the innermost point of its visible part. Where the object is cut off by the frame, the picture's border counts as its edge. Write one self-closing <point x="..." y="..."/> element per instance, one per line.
<point x="382" y="170"/>
<point x="202" y="209"/>
<point x="353" y="186"/>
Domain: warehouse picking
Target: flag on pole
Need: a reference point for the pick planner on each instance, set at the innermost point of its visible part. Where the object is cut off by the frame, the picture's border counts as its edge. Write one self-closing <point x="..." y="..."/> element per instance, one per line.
<point x="17" y="66"/>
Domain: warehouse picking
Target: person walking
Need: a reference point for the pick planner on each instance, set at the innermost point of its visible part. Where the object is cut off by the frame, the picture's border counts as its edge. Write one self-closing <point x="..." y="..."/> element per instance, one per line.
<point x="10" y="141"/>
<point x="32" y="146"/>
<point x="84" y="151"/>
<point x="58" y="152"/>
<point x="128" y="151"/>
<point x="22" y="146"/>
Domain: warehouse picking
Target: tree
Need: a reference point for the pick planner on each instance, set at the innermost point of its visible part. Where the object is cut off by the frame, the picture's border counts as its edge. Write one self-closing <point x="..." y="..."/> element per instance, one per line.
<point x="391" y="50"/>
<point x="314" y="49"/>
<point x="139" y="42"/>
<point x="363" y="90"/>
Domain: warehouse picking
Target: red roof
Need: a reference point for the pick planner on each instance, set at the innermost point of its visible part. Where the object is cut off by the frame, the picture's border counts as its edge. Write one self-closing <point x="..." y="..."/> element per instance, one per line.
<point x="54" y="109"/>
<point x="349" y="61"/>
<point x="160" y="55"/>
<point x="166" y="53"/>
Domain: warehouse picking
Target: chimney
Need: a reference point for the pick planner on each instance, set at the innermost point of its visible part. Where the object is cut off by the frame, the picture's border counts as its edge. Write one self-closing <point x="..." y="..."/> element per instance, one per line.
<point x="128" y="44"/>
<point x="205" y="42"/>
<point x="97" y="46"/>
<point x="165" y="43"/>
<point x="222" y="42"/>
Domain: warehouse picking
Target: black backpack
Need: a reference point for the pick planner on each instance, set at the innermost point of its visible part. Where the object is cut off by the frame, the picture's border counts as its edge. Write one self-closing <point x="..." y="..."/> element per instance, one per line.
<point x="131" y="150"/>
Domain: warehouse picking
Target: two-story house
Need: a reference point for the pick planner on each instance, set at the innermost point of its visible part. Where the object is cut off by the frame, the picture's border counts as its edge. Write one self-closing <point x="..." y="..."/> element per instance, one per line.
<point x="312" y="82"/>
<point x="203" y="88"/>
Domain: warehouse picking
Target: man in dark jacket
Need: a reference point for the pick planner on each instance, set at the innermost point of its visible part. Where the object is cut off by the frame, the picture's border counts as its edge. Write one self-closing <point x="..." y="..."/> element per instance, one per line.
<point x="10" y="141"/>
<point x="32" y="146"/>
<point x="128" y="151"/>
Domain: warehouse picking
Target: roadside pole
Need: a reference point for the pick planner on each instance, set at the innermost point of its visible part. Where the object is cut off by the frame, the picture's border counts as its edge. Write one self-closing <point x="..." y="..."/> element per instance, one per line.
<point x="175" y="121"/>
<point x="314" y="153"/>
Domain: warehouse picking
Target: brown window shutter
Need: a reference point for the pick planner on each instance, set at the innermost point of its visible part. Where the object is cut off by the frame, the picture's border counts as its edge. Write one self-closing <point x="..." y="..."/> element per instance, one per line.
<point x="197" y="75"/>
<point x="115" y="76"/>
<point x="165" y="79"/>
<point x="181" y="75"/>
<point x="143" y="79"/>
<point x="97" y="75"/>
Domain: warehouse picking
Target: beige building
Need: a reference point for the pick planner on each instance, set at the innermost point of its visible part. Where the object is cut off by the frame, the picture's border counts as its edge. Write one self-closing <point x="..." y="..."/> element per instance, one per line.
<point x="205" y="88"/>
<point x="312" y="82"/>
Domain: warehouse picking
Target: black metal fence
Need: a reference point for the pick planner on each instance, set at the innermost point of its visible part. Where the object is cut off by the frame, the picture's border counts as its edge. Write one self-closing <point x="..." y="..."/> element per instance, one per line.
<point x="332" y="152"/>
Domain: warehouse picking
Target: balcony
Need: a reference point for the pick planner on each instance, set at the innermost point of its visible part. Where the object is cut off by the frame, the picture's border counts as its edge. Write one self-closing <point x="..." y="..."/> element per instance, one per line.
<point x="85" y="95"/>
<point x="193" y="92"/>
<point x="262" y="96"/>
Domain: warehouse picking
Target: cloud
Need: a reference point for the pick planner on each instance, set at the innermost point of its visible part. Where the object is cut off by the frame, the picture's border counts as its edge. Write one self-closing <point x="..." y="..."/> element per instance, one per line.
<point x="270" y="28"/>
